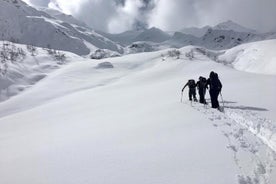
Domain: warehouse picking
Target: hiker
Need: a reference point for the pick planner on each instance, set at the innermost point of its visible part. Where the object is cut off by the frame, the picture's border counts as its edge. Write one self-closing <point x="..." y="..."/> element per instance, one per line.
<point x="192" y="89"/>
<point x="202" y="86"/>
<point x="214" y="88"/>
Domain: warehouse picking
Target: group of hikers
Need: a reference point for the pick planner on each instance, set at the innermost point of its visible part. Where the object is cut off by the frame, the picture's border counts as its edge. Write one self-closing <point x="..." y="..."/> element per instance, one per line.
<point x="212" y="83"/>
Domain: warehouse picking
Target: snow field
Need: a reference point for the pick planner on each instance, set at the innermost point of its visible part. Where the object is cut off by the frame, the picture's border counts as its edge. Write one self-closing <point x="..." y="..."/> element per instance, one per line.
<point x="126" y="124"/>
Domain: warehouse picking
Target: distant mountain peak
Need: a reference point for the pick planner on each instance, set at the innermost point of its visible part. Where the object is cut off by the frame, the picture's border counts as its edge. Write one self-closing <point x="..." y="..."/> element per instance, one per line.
<point x="231" y="25"/>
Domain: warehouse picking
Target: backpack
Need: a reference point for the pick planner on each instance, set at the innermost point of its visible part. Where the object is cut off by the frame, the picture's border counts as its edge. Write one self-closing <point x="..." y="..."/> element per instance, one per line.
<point x="191" y="83"/>
<point x="215" y="83"/>
<point x="202" y="83"/>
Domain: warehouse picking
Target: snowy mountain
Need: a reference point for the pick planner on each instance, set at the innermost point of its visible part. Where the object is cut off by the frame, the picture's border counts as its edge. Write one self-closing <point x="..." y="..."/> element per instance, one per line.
<point x="180" y="39"/>
<point x="217" y="39"/>
<point x="50" y="28"/>
<point x="223" y="36"/>
<point x="24" y="24"/>
<point x="227" y="25"/>
<point x="153" y="35"/>
<point x="225" y="39"/>
<point x="124" y="38"/>
<point x="230" y="25"/>
<point x="63" y="17"/>
<point x="198" y="32"/>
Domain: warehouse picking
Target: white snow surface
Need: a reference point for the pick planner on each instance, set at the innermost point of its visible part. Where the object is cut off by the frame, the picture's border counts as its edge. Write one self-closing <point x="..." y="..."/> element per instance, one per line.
<point x="227" y="25"/>
<point x="24" y="24"/>
<point x="230" y="25"/>
<point x="257" y="57"/>
<point x="23" y="73"/>
<point x="126" y="124"/>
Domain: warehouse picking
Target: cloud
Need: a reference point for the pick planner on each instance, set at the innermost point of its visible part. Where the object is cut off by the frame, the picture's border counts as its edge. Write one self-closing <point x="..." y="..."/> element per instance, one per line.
<point x="175" y="14"/>
<point x="121" y="15"/>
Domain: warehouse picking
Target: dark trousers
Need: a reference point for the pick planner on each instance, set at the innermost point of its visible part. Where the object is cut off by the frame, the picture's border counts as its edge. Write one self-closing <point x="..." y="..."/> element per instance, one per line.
<point x="214" y="98"/>
<point x="201" y="93"/>
<point x="192" y="94"/>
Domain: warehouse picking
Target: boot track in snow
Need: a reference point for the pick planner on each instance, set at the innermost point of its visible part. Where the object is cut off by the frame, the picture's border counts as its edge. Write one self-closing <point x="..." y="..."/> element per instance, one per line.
<point x="251" y="138"/>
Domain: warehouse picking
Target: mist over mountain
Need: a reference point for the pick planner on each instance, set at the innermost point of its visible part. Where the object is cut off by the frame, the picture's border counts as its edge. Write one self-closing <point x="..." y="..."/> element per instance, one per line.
<point x="116" y="16"/>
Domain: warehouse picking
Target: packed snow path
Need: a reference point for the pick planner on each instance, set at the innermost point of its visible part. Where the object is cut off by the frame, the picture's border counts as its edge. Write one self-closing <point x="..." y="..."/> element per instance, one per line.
<point x="242" y="128"/>
<point x="122" y="125"/>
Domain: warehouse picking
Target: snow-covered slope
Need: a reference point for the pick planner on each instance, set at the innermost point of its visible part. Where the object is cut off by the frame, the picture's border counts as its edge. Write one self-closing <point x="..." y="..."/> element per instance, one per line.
<point x="180" y="39"/>
<point x="198" y="32"/>
<point x="225" y="39"/>
<point x="28" y="68"/>
<point x="217" y="39"/>
<point x="24" y="24"/>
<point x="227" y="25"/>
<point x="85" y="124"/>
<point x="230" y="25"/>
<point x="153" y="35"/>
<point x="124" y="38"/>
<point x="257" y="57"/>
<point x="61" y="16"/>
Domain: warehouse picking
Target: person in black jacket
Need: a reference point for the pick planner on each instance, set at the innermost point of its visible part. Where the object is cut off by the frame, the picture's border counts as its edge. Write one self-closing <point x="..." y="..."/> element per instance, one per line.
<point x="192" y="89"/>
<point x="214" y="88"/>
<point x="202" y="86"/>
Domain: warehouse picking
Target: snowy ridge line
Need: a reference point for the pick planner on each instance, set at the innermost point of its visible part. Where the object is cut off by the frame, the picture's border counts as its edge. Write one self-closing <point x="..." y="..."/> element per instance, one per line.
<point x="261" y="127"/>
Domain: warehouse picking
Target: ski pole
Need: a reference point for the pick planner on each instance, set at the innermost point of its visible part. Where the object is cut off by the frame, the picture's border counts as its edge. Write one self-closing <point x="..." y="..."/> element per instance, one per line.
<point x="181" y="96"/>
<point x="222" y="100"/>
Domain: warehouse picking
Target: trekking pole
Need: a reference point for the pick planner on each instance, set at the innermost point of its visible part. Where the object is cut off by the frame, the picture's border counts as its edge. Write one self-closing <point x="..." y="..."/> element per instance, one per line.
<point x="222" y="100"/>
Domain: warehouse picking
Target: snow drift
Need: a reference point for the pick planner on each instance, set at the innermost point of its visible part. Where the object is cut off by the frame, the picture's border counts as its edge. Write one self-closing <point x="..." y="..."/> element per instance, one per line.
<point x="257" y="57"/>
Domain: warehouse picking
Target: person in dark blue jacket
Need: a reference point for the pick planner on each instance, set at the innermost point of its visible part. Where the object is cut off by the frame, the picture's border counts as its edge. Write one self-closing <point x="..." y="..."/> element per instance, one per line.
<point x="215" y="87"/>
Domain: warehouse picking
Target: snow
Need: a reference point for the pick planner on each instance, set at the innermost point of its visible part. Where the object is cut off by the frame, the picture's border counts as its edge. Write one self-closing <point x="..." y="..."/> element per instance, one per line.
<point x="105" y="65"/>
<point x="61" y="16"/>
<point x="230" y="25"/>
<point x="45" y="27"/>
<point x="23" y="73"/>
<point x="227" y="25"/>
<point x="23" y="24"/>
<point x="127" y="125"/>
<point x="120" y="120"/>
<point x="152" y="35"/>
<point x="198" y="32"/>
<point x="257" y="57"/>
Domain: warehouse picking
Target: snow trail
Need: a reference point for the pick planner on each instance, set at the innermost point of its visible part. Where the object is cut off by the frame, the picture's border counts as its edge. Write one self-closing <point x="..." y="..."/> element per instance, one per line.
<point x="251" y="139"/>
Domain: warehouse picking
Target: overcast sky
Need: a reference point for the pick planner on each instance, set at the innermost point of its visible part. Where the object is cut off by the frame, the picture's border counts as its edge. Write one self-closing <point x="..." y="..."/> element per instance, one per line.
<point x="170" y="15"/>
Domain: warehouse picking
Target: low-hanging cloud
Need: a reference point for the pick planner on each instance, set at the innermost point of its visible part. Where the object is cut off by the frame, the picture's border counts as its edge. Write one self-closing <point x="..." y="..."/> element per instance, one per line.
<point x="121" y="15"/>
